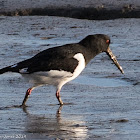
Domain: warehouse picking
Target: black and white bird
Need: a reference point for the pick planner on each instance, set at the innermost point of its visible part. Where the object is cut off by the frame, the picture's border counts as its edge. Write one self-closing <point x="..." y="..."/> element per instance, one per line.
<point x="59" y="65"/>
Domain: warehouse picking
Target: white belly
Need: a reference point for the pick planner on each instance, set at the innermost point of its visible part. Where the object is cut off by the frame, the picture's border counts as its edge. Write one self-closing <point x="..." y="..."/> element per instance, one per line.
<point x="56" y="77"/>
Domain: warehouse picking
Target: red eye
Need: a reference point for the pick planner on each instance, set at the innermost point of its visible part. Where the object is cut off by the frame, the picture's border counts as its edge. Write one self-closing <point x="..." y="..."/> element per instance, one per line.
<point x="108" y="41"/>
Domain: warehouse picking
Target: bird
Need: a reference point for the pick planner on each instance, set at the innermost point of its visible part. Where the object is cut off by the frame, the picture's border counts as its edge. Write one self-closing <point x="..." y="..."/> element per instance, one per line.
<point x="58" y="65"/>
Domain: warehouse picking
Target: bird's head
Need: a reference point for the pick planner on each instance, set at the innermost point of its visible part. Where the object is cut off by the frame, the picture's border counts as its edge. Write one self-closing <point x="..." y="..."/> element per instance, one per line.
<point x="99" y="43"/>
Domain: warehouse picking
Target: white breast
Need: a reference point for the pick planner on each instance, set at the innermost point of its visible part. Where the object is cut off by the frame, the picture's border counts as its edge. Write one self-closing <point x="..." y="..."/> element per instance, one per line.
<point x="77" y="71"/>
<point x="81" y="64"/>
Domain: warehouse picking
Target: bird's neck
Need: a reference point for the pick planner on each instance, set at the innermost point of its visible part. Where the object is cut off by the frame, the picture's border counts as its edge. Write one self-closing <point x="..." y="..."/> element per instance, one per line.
<point x="89" y="53"/>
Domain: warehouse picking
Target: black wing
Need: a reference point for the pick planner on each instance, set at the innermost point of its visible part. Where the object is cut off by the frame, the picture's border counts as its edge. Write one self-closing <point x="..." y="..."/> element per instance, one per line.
<point x="57" y="58"/>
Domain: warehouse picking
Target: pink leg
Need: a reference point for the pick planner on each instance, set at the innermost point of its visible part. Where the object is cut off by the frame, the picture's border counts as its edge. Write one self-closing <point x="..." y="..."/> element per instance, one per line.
<point x="28" y="92"/>
<point x="58" y="97"/>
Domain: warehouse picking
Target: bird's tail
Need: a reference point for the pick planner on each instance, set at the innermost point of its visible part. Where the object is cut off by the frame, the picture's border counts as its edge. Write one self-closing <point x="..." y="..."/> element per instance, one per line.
<point x="16" y="67"/>
<point x="12" y="68"/>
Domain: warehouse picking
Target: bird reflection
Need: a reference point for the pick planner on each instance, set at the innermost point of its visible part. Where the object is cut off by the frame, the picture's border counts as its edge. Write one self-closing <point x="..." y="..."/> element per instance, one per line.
<point x="56" y="126"/>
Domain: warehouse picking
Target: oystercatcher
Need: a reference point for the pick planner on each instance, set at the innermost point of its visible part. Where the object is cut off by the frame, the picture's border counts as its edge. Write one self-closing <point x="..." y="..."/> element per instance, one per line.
<point x="59" y="65"/>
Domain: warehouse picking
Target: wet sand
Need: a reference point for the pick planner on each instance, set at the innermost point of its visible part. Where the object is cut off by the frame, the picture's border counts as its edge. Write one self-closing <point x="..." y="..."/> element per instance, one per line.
<point x="103" y="103"/>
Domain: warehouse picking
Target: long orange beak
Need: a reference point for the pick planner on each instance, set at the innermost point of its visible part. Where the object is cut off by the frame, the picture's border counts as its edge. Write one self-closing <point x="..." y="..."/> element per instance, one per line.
<point x="113" y="58"/>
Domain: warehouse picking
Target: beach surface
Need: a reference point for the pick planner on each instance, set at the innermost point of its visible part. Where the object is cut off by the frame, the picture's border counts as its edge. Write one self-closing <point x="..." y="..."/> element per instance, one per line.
<point x="102" y="102"/>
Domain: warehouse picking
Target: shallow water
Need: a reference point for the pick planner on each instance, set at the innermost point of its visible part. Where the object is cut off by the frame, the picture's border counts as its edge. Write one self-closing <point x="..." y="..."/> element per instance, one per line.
<point x="100" y="104"/>
<point x="101" y="81"/>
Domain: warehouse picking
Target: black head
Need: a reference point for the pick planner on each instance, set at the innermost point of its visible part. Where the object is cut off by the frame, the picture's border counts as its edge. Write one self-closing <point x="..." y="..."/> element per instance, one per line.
<point x="99" y="43"/>
<point x="96" y="43"/>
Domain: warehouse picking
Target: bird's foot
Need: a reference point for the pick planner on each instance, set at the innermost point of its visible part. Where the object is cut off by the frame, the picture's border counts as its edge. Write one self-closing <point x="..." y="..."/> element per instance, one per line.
<point x="23" y="106"/>
<point x="60" y="102"/>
